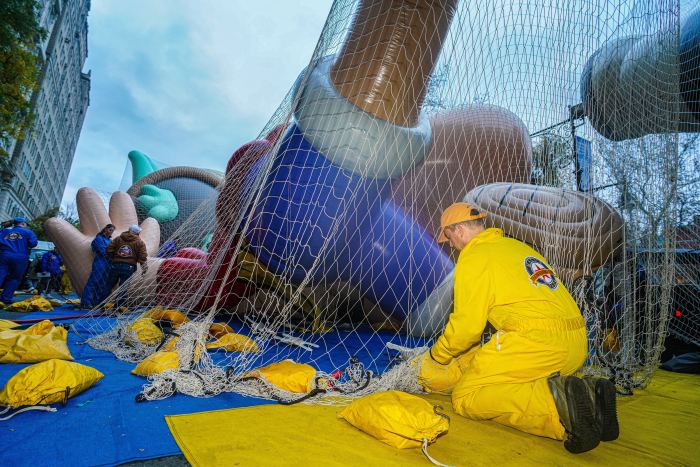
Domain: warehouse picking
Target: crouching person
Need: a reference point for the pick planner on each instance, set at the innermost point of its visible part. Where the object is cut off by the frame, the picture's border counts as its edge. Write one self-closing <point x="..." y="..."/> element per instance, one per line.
<point x="523" y="376"/>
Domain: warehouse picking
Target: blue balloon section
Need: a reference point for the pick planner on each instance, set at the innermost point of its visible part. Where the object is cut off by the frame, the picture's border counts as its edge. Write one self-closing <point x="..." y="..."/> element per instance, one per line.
<point x="318" y="222"/>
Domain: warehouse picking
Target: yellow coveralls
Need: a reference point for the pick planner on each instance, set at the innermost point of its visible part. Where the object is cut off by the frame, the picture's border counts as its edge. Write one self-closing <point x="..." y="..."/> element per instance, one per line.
<point x="540" y="330"/>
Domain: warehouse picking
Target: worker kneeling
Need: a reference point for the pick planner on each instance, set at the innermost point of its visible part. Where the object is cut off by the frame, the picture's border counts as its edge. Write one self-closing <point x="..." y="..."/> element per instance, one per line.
<point x="522" y="376"/>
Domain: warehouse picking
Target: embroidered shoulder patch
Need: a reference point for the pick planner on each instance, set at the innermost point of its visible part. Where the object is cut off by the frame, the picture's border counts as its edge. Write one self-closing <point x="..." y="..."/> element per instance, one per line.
<point x="539" y="273"/>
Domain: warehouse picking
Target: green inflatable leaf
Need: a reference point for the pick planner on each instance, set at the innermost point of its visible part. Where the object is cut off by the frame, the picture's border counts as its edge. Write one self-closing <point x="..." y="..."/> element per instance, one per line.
<point x="141" y="165"/>
<point x="159" y="203"/>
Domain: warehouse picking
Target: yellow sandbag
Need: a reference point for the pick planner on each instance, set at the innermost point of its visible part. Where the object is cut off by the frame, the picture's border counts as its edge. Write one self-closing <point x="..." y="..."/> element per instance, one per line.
<point x="35" y="303"/>
<point x="159" y="314"/>
<point x="157" y="363"/>
<point x="220" y="329"/>
<point x="7" y="324"/>
<point x="43" y="341"/>
<point x="72" y="301"/>
<point x="611" y="341"/>
<point x="170" y="345"/>
<point x="54" y="302"/>
<point x="287" y="375"/>
<point x="39" y="329"/>
<point x="47" y="383"/>
<point x="66" y="284"/>
<point x="146" y="331"/>
<point x="396" y="418"/>
<point x="233" y="342"/>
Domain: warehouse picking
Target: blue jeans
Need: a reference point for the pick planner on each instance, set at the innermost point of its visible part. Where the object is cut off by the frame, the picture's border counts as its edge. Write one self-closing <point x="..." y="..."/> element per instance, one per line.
<point x="12" y="269"/>
<point x="97" y="288"/>
<point x="119" y="273"/>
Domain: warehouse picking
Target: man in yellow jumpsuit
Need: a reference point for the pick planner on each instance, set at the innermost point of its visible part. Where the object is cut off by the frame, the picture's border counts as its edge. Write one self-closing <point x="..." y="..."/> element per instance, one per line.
<point x="520" y="377"/>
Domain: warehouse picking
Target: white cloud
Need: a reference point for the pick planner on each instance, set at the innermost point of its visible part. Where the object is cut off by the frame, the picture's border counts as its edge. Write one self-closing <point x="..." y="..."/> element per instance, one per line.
<point x="186" y="82"/>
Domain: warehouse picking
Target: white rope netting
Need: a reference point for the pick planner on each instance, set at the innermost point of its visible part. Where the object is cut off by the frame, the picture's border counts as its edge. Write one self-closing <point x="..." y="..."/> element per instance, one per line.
<point x="562" y="119"/>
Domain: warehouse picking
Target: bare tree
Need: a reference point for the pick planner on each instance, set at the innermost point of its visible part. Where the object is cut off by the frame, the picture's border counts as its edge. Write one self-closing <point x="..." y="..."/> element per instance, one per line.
<point x="688" y="178"/>
<point x="551" y="158"/>
<point x="69" y="213"/>
<point x="644" y="175"/>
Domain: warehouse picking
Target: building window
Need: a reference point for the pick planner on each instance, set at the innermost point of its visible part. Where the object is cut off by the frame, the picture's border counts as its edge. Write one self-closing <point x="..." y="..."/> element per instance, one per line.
<point x="26" y="170"/>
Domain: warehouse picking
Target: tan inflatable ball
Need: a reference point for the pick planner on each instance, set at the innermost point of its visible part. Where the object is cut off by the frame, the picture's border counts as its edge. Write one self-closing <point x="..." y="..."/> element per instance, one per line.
<point x="471" y="146"/>
<point x="574" y="231"/>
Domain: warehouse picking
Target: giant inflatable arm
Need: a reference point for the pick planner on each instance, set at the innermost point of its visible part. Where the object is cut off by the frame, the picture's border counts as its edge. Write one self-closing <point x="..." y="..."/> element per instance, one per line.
<point x="324" y="212"/>
<point x="74" y="244"/>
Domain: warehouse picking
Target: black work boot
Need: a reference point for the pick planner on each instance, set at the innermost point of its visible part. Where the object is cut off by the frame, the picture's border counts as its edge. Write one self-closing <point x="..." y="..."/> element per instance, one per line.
<point x="601" y="391"/>
<point x="575" y="412"/>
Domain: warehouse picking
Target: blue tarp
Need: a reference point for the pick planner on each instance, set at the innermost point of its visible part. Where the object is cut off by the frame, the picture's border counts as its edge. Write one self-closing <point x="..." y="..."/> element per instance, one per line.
<point x="105" y="426"/>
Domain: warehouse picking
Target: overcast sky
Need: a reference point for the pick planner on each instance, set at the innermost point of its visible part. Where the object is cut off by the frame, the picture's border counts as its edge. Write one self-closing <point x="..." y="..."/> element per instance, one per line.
<point x="186" y="82"/>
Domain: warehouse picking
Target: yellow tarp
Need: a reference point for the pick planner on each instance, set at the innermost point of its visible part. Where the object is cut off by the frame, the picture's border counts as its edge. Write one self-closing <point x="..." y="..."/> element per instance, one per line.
<point x="658" y="426"/>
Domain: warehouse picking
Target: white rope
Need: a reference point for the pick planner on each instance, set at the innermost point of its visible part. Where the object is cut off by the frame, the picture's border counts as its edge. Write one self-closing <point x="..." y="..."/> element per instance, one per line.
<point x="45" y="408"/>
<point x="424" y="448"/>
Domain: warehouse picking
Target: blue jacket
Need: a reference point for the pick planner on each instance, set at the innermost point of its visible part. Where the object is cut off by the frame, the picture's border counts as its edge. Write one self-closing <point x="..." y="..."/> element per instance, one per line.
<point x="97" y="287"/>
<point x="51" y="263"/>
<point x="17" y="241"/>
<point x="99" y="246"/>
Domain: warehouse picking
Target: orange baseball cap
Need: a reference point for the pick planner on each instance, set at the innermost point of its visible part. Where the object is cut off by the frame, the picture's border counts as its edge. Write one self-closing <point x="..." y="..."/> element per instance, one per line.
<point x="456" y="213"/>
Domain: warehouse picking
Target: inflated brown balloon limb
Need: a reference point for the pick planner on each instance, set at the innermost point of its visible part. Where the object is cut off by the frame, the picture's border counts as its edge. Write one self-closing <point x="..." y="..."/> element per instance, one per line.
<point x="74" y="244"/>
<point x="389" y="54"/>
<point x="576" y="232"/>
<point x="471" y="146"/>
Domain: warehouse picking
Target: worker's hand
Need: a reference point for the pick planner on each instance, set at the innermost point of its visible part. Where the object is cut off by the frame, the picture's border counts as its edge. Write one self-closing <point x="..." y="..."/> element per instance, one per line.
<point x="74" y="244"/>
<point x="435" y="377"/>
<point x="144" y="268"/>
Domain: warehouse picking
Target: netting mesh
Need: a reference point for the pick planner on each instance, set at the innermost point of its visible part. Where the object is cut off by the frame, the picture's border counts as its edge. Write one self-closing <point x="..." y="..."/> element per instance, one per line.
<point x="560" y="119"/>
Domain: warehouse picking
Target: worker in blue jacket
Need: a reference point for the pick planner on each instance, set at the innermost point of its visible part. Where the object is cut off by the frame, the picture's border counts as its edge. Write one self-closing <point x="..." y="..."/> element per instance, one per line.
<point x="15" y="243"/>
<point x="97" y="287"/>
<point x="51" y="262"/>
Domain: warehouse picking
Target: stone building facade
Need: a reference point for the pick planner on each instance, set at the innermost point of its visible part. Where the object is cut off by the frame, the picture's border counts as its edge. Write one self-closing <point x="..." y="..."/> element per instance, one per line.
<point x="35" y="176"/>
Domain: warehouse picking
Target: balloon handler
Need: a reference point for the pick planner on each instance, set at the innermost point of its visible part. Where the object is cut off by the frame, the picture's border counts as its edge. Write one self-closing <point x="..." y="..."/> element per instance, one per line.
<point x="523" y="377"/>
<point x="15" y="243"/>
